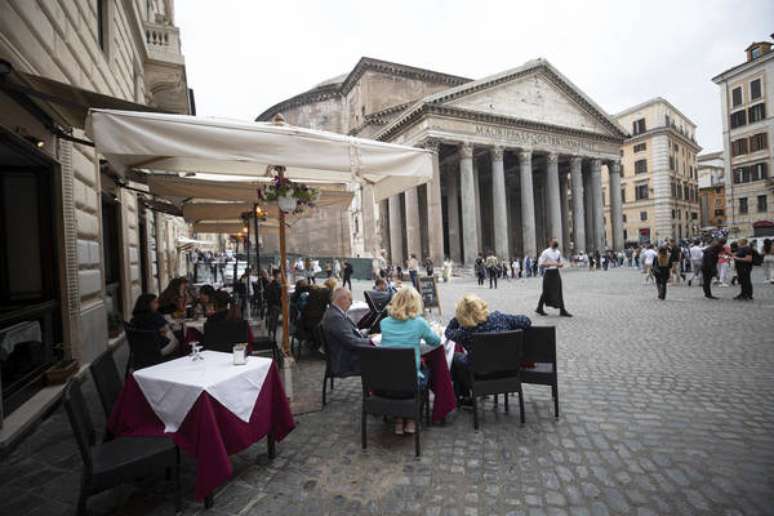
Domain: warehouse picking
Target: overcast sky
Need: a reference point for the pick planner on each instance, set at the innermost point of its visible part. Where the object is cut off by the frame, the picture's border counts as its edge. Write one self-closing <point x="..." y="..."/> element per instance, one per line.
<point x="243" y="56"/>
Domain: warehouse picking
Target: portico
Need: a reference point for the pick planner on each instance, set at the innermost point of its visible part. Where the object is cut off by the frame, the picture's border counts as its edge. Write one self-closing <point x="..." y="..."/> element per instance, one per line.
<point x="521" y="152"/>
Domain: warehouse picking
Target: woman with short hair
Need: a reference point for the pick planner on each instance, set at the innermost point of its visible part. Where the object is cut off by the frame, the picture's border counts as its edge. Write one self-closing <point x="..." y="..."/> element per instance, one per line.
<point x="406" y="328"/>
<point x="473" y="316"/>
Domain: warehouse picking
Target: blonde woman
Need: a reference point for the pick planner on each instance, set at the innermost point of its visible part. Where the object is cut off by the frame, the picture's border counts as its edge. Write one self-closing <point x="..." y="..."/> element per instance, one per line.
<point x="473" y="316"/>
<point x="406" y="328"/>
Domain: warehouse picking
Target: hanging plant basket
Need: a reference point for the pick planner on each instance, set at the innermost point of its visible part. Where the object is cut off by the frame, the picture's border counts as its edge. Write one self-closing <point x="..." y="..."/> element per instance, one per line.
<point x="291" y="197"/>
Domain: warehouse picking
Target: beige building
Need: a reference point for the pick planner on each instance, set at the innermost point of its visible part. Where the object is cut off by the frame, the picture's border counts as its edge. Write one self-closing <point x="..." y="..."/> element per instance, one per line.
<point x="508" y="150"/>
<point x="712" y="190"/>
<point x="659" y="179"/>
<point x="78" y="242"/>
<point x="748" y="130"/>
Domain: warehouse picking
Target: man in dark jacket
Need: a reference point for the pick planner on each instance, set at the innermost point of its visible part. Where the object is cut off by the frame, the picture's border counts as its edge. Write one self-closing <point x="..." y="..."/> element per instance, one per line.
<point x="342" y="335"/>
<point x="709" y="266"/>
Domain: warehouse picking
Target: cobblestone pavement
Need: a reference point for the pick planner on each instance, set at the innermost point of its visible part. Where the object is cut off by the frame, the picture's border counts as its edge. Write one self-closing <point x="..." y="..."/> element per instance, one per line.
<point x="666" y="408"/>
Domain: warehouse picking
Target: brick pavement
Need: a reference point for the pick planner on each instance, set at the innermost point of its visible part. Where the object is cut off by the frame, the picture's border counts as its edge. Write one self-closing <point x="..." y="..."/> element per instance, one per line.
<point x="667" y="408"/>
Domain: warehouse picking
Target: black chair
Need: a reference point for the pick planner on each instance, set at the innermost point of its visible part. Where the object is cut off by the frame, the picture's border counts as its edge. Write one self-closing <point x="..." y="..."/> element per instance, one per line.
<point x="494" y="367"/>
<point x="104" y="371"/>
<point x="322" y="341"/>
<point x="222" y="335"/>
<point x="298" y="335"/>
<point x="540" y="347"/>
<point x="116" y="462"/>
<point x="268" y="342"/>
<point x="144" y="348"/>
<point x="393" y="371"/>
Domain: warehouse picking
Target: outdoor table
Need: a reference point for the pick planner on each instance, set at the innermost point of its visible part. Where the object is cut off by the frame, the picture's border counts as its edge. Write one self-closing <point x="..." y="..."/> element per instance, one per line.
<point x="358" y="310"/>
<point x="438" y="360"/>
<point x="210" y="408"/>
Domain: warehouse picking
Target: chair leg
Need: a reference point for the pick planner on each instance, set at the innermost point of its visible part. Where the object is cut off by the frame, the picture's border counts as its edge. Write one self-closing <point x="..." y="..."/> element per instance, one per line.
<point x="427" y="407"/>
<point x="475" y="412"/>
<point x="331" y="383"/>
<point x="417" y="429"/>
<point x="325" y="385"/>
<point x="363" y="423"/>
<point x="178" y="486"/>
<point x="555" y="393"/>
<point x="521" y="404"/>
<point x="83" y="497"/>
<point x="506" y="402"/>
<point x="496" y="401"/>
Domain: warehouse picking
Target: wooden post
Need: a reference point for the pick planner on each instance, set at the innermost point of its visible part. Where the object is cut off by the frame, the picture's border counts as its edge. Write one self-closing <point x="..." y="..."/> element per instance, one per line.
<point x="283" y="275"/>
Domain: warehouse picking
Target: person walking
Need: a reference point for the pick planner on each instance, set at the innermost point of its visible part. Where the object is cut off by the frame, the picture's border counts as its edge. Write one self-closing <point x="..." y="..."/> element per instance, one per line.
<point x="709" y="267"/>
<point x="429" y="266"/>
<point x="551" y="261"/>
<point x="348" y="270"/>
<point x="412" y="264"/>
<point x="527" y="266"/>
<point x="675" y="256"/>
<point x="516" y="268"/>
<point x="479" y="269"/>
<point x="743" y="259"/>
<point x="695" y="253"/>
<point x="647" y="258"/>
<point x="492" y="264"/>
<point x="768" y="260"/>
<point x="662" y="270"/>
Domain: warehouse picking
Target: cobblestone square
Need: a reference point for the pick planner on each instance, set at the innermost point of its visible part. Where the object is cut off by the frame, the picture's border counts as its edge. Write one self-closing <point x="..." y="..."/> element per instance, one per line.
<point x="666" y="408"/>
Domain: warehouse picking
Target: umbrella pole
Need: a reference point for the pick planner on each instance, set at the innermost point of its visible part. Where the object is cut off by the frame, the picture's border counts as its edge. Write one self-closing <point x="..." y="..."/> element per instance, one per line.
<point x="283" y="276"/>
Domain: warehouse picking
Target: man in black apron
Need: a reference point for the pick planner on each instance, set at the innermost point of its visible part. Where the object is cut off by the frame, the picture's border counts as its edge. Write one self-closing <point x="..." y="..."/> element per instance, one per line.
<point x="551" y="261"/>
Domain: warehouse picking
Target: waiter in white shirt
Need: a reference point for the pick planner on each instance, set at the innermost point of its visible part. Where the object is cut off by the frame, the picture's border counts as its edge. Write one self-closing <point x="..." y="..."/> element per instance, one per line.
<point x="551" y="261"/>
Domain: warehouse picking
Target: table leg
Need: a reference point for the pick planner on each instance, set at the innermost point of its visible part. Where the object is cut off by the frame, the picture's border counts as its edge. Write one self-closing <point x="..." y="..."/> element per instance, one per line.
<point x="209" y="501"/>
<point x="271" y="446"/>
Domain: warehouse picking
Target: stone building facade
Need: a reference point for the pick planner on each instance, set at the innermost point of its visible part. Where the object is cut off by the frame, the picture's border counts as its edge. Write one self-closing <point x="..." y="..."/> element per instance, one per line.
<point x="712" y="190"/>
<point x="80" y="242"/>
<point x="659" y="181"/>
<point x="511" y="152"/>
<point x="748" y="130"/>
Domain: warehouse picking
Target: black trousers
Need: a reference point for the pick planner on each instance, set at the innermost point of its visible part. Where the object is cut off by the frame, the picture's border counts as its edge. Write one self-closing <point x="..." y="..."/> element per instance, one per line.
<point x="480" y="278"/>
<point x="745" y="281"/>
<point x="706" y="281"/>
<point x="347" y="281"/>
<point x="492" y="278"/>
<point x="661" y="285"/>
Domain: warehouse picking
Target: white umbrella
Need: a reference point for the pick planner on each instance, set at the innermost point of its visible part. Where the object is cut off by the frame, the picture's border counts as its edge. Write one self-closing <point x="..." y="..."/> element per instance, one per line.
<point x="182" y="143"/>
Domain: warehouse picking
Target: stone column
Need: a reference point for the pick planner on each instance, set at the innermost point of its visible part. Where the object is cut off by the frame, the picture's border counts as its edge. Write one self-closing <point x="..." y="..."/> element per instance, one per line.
<point x="477" y="188"/>
<point x="616" y="207"/>
<point x="434" y="211"/>
<point x="499" y="201"/>
<point x="368" y="207"/>
<point x="413" y="235"/>
<point x="553" y="196"/>
<point x="563" y="210"/>
<point x="597" y="205"/>
<point x="527" y="204"/>
<point x="588" y="211"/>
<point x="453" y="212"/>
<point x="469" y="205"/>
<point x="396" y="231"/>
<point x="578" y="213"/>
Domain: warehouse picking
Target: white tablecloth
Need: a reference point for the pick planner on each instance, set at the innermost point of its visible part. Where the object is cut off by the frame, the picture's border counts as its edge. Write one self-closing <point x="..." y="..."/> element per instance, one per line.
<point x="173" y="387"/>
<point x="357" y="310"/>
<point x="448" y="347"/>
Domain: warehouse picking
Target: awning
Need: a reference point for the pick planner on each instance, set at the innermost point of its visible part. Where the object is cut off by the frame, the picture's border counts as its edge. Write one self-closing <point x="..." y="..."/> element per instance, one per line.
<point x="191" y="241"/>
<point x="65" y="104"/>
<point x="231" y="227"/>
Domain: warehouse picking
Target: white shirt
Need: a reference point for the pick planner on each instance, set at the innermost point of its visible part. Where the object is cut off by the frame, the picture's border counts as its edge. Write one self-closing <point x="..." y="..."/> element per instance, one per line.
<point x="515" y="265"/>
<point x="696" y="253"/>
<point x="648" y="256"/>
<point x="550" y="255"/>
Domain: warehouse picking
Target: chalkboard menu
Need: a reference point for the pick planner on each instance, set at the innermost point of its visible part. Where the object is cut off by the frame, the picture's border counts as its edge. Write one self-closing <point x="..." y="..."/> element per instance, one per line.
<point x="429" y="291"/>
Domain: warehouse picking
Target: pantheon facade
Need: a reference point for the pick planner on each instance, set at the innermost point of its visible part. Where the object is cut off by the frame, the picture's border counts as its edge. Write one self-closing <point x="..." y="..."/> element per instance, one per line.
<point x="518" y="159"/>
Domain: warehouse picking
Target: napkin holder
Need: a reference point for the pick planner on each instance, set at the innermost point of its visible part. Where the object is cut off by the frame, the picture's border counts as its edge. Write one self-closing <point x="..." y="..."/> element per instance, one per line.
<point x="240" y="354"/>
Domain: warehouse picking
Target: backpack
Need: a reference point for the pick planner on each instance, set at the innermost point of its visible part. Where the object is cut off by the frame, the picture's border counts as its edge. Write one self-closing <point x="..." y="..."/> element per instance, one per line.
<point x="757" y="258"/>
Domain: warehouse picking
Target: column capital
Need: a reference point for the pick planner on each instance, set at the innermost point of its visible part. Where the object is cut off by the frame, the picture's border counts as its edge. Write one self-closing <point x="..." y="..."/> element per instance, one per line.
<point x="576" y="161"/>
<point x="553" y="157"/>
<point x="497" y="153"/>
<point x="596" y="166"/>
<point x="614" y="166"/>
<point x="466" y="150"/>
<point x="431" y="144"/>
<point x="525" y="154"/>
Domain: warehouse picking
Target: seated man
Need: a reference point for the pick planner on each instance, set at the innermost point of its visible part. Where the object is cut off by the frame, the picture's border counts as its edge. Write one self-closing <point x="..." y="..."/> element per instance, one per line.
<point x="380" y="295"/>
<point x="342" y="335"/>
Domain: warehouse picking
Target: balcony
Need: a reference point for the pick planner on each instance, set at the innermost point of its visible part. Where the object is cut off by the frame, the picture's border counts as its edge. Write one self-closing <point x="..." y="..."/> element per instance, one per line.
<point x="166" y="86"/>
<point x="163" y="43"/>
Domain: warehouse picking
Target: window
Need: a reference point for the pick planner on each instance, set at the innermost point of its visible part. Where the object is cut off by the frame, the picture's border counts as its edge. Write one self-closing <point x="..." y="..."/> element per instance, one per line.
<point x="759" y="142"/>
<point x="641" y="192"/>
<point x="685" y="191"/>
<point x="673" y="214"/>
<point x="671" y="163"/>
<point x="674" y="190"/>
<point x="103" y="24"/>
<point x="736" y="97"/>
<point x="694" y="215"/>
<point x="641" y="166"/>
<point x="643" y="215"/>
<point x="640" y="147"/>
<point x="743" y="205"/>
<point x="755" y="89"/>
<point x="755" y="53"/>
<point x="757" y="112"/>
<point x="762" y="204"/>
<point x="624" y="217"/>
<point x="719" y="213"/>
<point x="623" y="195"/>
<point x="739" y="147"/>
<point x="638" y="126"/>
<point x="756" y="172"/>
<point x="738" y="119"/>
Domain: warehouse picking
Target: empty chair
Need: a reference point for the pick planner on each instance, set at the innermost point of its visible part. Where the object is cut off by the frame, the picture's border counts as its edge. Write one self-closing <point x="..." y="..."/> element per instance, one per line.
<point x="391" y="388"/>
<point x="144" y="348"/>
<point x="122" y="460"/>
<point x="540" y="347"/>
<point x="268" y="342"/>
<point x="223" y="334"/>
<point x="494" y="367"/>
<point x="107" y="380"/>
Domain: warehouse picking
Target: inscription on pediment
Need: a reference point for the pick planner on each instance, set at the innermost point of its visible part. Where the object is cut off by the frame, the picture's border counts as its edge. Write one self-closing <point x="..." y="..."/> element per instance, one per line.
<point x="536" y="139"/>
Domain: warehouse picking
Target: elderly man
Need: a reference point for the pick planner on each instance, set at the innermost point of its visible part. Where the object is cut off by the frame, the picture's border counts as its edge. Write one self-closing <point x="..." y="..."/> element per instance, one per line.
<point x="342" y="335"/>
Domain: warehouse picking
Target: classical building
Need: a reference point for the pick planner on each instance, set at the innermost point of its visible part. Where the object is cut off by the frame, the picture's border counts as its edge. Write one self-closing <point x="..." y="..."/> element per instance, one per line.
<point x="77" y="242"/>
<point x="748" y="130"/>
<point x="659" y="183"/>
<point x="712" y="190"/>
<point x="510" y="150"/>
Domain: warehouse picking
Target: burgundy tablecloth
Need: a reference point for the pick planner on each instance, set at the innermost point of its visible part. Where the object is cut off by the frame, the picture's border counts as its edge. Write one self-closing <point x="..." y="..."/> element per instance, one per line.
<point x="210" y="432"/>
<point x="440" y="384"/>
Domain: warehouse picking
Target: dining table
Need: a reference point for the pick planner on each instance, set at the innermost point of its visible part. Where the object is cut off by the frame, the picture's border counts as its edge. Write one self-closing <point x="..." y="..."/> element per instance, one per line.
<point x="438" y="360"/>
<point x="210" y="407"/>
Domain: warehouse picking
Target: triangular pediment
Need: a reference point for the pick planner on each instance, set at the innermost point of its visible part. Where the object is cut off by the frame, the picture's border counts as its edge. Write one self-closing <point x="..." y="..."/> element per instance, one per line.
<point x="536" y="93"/>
